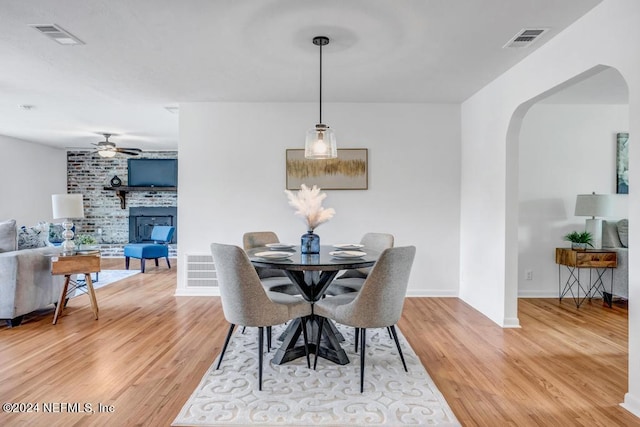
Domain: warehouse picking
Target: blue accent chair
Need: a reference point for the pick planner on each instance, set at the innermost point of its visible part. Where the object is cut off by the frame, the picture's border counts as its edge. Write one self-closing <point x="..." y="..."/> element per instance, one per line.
<point x="161" y="235"/>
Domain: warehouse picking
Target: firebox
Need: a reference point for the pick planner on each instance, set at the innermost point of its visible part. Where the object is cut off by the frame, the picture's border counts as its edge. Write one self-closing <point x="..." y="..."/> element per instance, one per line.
<point x="142" y="220"/>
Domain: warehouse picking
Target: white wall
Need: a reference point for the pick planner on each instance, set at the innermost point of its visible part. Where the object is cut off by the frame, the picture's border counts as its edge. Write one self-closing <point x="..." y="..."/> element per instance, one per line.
<point x="607" y="35"/>
<point x="232" y="179"/>
<point x="565" y="150"/>
<point x="30" y="174"/>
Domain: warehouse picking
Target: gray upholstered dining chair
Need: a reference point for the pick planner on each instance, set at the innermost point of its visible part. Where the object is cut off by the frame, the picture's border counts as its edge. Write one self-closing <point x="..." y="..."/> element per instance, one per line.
<point x="272" y="279"/>
<point x="352" y="280"/>
<point x="245" y="301"/>
<point x="378" y="304"/>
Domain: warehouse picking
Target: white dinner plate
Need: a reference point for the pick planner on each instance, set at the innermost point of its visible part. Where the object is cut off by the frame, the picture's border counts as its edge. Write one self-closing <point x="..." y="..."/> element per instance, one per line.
<point x="276" y="246"/>
<point x="347" y="254"/>
<point x="347" y="246"/>
<point x="274" y="255"/>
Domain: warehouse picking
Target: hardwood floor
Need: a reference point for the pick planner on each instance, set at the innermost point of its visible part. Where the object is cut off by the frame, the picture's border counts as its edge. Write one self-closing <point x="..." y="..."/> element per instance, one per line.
<point x="148" y="351"/>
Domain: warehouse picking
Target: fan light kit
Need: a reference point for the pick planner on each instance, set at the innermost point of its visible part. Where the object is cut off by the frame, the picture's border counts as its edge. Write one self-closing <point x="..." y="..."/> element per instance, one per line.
<point x="321" y="140"/>
<point x="107" y="148"/>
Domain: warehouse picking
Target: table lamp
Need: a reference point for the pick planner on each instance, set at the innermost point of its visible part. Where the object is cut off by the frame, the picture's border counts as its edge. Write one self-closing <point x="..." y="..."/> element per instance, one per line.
<point x="593" y="205"/>
<point x="67" y="206"/>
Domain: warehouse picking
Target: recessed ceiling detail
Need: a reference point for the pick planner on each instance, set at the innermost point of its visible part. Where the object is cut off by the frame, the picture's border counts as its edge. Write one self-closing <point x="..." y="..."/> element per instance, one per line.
<point x="57" y="34"/>
<point x="525" y="37"/>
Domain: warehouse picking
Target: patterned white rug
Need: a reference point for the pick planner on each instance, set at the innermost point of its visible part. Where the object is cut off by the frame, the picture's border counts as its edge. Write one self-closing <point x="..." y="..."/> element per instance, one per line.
<point x="105" y="277"/>
<point x="292" y="394"/>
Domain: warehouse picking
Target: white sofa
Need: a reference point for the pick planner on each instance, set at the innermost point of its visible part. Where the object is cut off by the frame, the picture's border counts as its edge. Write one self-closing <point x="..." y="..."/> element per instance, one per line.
<point x="615" y="236"/>
<point x="26" y="282"/>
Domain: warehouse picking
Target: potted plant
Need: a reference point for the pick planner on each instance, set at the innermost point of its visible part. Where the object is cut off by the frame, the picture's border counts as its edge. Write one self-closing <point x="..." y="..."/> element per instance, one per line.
<point x="85" y="241"/>
<point x="579" y="240"/>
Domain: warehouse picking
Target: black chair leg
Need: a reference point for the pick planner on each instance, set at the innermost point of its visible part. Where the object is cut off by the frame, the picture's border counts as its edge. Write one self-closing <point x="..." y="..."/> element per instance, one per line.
<point x="156" y="260"/>
<point x="315" y="361"/>
<point x="126" y="262"/>
<point x="306" y="341"/>
<point x="142" y="264"/>
<point x="395" y="337"/>
<point x="260" y="347"/>
<point x="363" y="343"/>
<point x="226" y="343"/>
<point x="168" y="263"/>
<point x="268" y="339"/>
<point x="355" y="341"/>
<point x="243" y="329"/>
<point x="389" y="331"/>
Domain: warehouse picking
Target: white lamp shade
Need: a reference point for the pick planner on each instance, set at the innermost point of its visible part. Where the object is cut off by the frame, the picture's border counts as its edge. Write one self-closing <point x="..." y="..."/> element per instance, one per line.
<point x="67" y="206"/>
<point x="593" y="205"/>
<point x="320" y="143"/>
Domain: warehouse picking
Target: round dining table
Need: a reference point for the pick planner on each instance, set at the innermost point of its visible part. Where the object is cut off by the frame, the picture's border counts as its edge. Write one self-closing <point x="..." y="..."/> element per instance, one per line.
<point x="312" y="274"/>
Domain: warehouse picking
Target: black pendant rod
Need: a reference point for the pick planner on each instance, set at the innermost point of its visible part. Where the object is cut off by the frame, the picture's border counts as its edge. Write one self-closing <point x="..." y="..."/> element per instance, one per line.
<point x="320" y="83"/>
<point x="321" y="41"/>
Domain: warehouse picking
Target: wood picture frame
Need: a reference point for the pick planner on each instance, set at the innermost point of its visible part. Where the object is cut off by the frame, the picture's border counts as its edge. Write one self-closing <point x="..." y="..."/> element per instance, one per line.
<point x="349" y="171"/>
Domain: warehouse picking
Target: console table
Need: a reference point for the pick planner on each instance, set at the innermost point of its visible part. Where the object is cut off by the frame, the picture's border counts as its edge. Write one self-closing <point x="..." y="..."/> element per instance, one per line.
<point x="597" y="261"/>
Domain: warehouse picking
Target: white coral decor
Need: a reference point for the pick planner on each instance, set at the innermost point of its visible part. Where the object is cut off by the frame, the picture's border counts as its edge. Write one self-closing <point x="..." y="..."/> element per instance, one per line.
<point x="308" y="204"/>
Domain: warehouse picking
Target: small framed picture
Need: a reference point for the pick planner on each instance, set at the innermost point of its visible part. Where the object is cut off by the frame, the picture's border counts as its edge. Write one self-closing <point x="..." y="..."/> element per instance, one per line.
<point x="347" y="172"/>
<point x="622" y="163"/>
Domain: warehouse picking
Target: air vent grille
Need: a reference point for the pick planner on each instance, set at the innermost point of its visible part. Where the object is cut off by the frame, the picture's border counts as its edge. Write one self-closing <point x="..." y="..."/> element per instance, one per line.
<point x="525" y="37"/>
<point x="57" y="34"/>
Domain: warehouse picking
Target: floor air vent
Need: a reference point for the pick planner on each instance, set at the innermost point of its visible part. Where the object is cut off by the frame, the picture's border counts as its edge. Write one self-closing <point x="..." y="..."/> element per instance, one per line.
<point x="201" y="272"/>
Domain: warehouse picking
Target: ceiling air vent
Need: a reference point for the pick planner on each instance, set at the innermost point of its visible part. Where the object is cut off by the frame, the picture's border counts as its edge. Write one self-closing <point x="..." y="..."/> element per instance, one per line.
<point x="525" y="37"/>
<point x="57" y="34"/>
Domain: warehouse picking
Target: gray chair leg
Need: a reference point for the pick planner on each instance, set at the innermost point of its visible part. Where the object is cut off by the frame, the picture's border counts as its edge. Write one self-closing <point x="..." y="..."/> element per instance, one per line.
<point x="389" y="331"/>
<point x="260" y="347"/>
<point x="142" y="264"/>
<point x="362" y="353"/>
<point x="226" y="343"/>
<point x="395" y="337"/>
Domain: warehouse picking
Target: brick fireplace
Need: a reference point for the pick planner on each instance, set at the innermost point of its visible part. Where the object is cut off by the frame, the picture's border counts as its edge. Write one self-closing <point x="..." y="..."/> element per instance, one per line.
<point x="88" y="174"/>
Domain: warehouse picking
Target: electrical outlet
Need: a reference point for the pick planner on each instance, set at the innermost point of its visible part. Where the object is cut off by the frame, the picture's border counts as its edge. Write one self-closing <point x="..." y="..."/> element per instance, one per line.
<point x="528" y="275"/>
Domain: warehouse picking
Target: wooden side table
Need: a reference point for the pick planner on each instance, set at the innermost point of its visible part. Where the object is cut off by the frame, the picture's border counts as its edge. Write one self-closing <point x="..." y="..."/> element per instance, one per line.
<point x="72" y="265"/>
<point x="596" y="260"/>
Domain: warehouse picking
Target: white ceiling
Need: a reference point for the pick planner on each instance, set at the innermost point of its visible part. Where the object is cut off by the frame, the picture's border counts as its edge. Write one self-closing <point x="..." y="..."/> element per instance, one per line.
<point x="144" y="55"/>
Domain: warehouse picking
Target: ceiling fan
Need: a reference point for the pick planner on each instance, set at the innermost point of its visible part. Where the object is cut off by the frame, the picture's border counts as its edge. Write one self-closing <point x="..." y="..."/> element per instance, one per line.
<point x="107" y="148"/>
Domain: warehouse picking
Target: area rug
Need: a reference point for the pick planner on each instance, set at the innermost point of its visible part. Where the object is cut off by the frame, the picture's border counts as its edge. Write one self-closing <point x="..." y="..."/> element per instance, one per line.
<point x="105" y="277"/>
<point x="292" y="394"/>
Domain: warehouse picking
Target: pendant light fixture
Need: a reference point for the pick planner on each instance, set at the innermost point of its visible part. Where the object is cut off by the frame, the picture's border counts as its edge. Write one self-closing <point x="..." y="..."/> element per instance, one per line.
<point x="321" y="140"/>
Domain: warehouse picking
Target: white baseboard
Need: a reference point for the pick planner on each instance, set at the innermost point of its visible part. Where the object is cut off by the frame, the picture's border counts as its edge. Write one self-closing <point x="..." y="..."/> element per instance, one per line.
<point x="631" y="404"/>
<point x="538" y="294"/>
<point x="432" y="293"/>
<point x="198" y="292"/>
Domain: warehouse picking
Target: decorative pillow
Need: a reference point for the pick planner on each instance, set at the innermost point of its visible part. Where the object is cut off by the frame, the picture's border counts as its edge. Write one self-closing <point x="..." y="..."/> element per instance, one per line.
<point x="610" y="238"/>
<point x="33" y="237"/>
<point x="8" y="236"/>
<point x="55" y="233"/>
<point x="623" y="232"/>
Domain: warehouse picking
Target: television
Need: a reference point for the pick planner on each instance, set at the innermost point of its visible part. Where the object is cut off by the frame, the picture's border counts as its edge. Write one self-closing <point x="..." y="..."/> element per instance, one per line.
<point x="152" y="173"/>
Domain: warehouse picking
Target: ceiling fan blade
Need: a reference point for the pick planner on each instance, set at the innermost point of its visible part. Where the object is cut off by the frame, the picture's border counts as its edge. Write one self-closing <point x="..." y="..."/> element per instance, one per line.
<point x="130" y="149"/>
<point x="125" y="151"/>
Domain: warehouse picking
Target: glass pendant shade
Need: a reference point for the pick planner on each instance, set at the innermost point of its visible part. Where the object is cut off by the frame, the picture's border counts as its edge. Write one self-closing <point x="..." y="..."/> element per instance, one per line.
<point x="320" y="143"/>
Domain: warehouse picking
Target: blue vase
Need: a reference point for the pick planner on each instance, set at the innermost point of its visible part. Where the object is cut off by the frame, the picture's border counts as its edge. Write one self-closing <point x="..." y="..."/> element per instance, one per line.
<point x="310" y="243"/>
